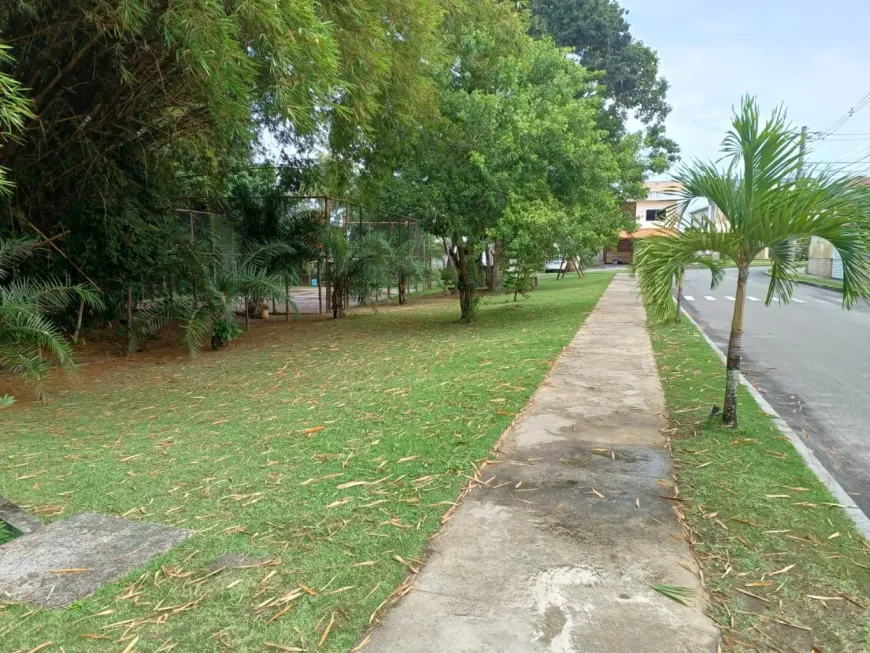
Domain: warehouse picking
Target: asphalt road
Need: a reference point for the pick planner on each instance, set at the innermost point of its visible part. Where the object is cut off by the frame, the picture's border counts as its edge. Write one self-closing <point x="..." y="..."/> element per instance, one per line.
<point x="810" y="359"/>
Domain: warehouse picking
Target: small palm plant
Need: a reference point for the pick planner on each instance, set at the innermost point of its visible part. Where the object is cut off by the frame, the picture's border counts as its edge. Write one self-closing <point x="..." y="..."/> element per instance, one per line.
<point x="405" y="266"/>
<point x="359" y="268"/>
<point x="229" y="277"/>
<point x="650" y="253"/>
<point x="767" y="203"/>
<point x="30" y="342"/>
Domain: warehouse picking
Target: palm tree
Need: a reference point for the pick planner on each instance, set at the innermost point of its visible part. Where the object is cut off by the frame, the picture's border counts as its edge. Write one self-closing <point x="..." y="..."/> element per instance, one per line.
<point x="767" y="203"/>
<point x="654" y="252"/>
<point x="405" y="266"/>
<point x="29" y="340"/>
<point x="228" y="276"/>
<point x="358" y="268"/>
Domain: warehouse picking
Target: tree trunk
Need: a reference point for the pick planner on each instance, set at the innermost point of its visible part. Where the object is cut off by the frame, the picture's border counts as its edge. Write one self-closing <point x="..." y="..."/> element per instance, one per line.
<point x="496" y="266"/>
<point x="562" y="269"/>
<point x="447" y="249"/>
<point x="247" y="314"/>
<point x="489" y="266"/>
<point x="680" y="276"/>
<point x="337" y="300"/>
<point x="735" y="342"/>
<point x="81" y="313"/>
<point x="466" y="291"/>
<point x="287" y="300"/>
<point x="402" y="290"/>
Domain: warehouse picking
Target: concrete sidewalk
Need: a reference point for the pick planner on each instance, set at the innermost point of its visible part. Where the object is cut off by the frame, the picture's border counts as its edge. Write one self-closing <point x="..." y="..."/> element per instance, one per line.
<point x="559" y="552"/>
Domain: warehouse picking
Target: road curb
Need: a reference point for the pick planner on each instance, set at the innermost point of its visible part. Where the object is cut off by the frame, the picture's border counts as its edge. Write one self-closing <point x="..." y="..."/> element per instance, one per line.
<point x="861" y="521"/>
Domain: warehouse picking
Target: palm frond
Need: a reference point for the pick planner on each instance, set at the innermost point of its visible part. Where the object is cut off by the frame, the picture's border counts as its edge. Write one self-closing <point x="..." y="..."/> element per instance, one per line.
<point x="658" y="261"/>
<point x="12" y="252"/>
<point x="24" y="360"/>
<point x="153" y="317"/>
<point x="676" y="593"/>
<point x="264" y="254"/>
<point x="783" y="273"/>
<point x="197" y="324"/>
<point x="256" y="282"/>
<point x="49" y="295"/>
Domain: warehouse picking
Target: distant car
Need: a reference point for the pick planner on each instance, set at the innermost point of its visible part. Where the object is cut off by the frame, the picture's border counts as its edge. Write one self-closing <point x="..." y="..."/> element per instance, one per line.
<point x="553" y="266"/>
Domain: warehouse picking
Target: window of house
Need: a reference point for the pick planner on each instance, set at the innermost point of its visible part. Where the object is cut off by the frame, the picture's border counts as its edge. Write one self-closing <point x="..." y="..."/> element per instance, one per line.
<point x="653" y="214"/>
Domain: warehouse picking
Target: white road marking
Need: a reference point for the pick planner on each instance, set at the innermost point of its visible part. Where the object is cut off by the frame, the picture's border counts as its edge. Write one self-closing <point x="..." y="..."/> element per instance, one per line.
<point x="689" y="297"/>
<point x="798" y="301"/>
<point x="753" y="299"/>
<point x="710" y="298"/>
<point x="729" y="298"/>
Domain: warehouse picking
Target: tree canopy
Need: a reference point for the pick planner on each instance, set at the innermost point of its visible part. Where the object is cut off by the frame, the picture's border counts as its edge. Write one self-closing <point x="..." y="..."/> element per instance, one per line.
<point x="600" y="38"/>
<point x="516" y="155"/>
<point x="133" y="131"/>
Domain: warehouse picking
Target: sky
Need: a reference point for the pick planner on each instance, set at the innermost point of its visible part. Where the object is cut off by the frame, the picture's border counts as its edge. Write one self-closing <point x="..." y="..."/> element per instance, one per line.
<point x="811" y="56"/>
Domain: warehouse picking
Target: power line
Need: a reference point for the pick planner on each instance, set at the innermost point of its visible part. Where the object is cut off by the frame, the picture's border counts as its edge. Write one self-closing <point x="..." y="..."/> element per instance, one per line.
<point x="837" y="139"/>
<point x="862" y="162"/>
<point x="842" y="120"/>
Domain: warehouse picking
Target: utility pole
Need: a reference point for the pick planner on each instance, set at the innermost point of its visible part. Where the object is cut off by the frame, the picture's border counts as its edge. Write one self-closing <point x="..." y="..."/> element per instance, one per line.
<point x="803" y="151"/>
<point x="800" y="175"/>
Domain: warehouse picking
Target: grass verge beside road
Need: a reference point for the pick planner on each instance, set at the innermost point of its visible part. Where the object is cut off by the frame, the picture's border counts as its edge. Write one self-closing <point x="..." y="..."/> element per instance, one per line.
<point x="785" y="568"/>
<point x="820" y="282"/>
<point x="325" y="451"/>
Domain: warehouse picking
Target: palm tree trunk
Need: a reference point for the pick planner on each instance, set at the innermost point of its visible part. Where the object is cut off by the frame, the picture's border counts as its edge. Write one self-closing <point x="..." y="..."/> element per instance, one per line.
<point x="735" y="343"/>
<point x="79" y="317"/>
<point x="680" y="276"/>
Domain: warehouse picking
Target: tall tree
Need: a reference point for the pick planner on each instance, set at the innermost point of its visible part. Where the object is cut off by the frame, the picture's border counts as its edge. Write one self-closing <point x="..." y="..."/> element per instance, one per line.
<point x="767" y="203"/>
<point x="144" y="106"/>
<point x="517" y="146"/>
<point x="600" y="38"/>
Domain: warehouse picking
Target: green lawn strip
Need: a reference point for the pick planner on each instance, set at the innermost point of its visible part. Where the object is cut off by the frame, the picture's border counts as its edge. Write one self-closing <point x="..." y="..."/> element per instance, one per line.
<point x="332" y="448"/>
<point x="757" y="263"/>
<point x="821" y="282"/>
<point x="763" y="524"/>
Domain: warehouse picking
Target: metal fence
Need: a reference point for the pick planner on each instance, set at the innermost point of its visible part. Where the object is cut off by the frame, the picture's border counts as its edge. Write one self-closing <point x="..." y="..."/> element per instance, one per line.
<point x="355" y="220"/>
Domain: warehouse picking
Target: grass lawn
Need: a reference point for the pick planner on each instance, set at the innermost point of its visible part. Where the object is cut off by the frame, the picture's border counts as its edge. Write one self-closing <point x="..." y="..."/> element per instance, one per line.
<point x="833" y="284"/>
<point x="779" y="556"/>
<point x="327" y="451"/>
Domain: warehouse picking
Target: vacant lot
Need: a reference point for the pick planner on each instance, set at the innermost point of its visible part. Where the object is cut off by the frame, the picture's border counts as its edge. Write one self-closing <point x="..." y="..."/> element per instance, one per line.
<point x="326" y="452"/>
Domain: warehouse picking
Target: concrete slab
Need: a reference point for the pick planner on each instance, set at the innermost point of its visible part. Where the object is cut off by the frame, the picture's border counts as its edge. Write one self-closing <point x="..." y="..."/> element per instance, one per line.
<point x="72" y="558"/>
<point x="558" y="554"/>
